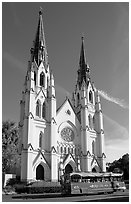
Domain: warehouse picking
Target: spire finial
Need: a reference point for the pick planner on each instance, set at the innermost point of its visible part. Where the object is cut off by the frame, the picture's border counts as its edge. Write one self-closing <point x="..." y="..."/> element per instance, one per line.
<point x="40" y="11"/>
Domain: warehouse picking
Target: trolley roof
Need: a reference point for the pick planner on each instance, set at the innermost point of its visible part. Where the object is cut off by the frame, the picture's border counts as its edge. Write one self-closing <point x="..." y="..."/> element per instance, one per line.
<point x="92" y="174"/>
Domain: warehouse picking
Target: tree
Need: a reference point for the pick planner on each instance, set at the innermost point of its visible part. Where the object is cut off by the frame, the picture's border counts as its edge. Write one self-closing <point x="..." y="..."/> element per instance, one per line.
<point x="121" y="165"/>
<point x="10" y="137"/>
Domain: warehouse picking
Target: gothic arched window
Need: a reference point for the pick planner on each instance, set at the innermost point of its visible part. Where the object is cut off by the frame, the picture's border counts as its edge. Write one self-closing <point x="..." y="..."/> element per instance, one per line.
<point x="35" y="77"/>
<point x="93" y="147"/>
<point x="78" y="99"/>
<point x="44" y="110"/>
<point x="93" y="122"/>
<point x="65" y="150"/>
<point x="42" y="79"/>
<point x="90" y="121"/>
<point x="78" y="151"/>
<point x="75" y="151"/>
<point x="71" y="150"/>
<point x="90" y="97"/>
<point x="68" y="150"/>
<point x="61" y="150"/>
<point x="38" y="108"/>
<point x="40" y="140"/>
<point x="47" y="82"/>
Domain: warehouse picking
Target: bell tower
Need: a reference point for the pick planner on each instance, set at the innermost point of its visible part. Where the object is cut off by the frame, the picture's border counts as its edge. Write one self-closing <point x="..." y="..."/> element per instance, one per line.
<point x="37" y="111"/>
<point x="86" y="102"/>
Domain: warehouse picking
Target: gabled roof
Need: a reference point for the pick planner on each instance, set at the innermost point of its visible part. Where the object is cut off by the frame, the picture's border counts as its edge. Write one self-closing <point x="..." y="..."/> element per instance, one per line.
<point x="53" y="150"/>
<point x="37" y="156"/>
<point x="94" y="159"/>
<point x="67" y="156"/>
<point x="41" y="90"/>
<point x="67" y="99"/>
<point x="103" y="155"/>
<point x="30" y="114"/>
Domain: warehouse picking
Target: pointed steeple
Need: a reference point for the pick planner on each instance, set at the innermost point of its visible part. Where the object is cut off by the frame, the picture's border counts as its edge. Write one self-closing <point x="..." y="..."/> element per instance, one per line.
<point x="82" y="61"/>
<point x="39" y="51"/>
<point x="83" y="71"/>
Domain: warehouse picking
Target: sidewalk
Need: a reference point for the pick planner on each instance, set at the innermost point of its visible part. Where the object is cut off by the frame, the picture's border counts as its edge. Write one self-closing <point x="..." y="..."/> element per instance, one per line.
<point x="41" y="195"/>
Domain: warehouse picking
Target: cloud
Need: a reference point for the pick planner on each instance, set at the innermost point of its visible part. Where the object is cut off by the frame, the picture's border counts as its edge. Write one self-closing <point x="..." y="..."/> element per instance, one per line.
<point x="116" y="136"/>
<point x="116" y="139"/>
<point x="114" y="131"/>
<point x="114" y="150"/>
<point x="15" y="62"/>
<point x="117" y="101"/>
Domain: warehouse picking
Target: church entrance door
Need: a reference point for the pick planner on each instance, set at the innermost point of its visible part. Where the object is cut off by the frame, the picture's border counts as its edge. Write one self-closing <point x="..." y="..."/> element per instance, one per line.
<point x="68" y="169"/>
<point x="39" y="172"/>
<point x="94" y="170"/>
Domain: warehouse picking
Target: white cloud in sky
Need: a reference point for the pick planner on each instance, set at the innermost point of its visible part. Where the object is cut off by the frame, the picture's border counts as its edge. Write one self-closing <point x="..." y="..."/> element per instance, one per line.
<point x="116" y="149"/>
<point x="114" y="130"/>
<point x="117" y="101"/>
<point x="116" y="139"/>
<point x="116" y="136"/>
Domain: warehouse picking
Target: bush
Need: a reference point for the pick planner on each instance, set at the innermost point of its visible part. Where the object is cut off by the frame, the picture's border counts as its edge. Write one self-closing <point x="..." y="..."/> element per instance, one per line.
<point x="33" y="190"/>
<point x="20" y="189"/>
<point x="39" y="187"/>
<point x="12" y="182"/>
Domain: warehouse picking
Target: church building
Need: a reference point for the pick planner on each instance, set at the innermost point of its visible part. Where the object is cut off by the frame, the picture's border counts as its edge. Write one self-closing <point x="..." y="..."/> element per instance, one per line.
<point x="57" y="141"/>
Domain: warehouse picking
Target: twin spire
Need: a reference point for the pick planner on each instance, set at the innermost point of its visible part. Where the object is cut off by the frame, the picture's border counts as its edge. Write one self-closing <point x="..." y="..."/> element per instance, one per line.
<point x="39" y="52"/>
<point x="82" y="61"/>
<point x="83" y="71"/>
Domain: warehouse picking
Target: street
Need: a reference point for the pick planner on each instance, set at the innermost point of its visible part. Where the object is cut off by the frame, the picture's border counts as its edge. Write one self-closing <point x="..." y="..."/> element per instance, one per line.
<point x="114" y="197"/>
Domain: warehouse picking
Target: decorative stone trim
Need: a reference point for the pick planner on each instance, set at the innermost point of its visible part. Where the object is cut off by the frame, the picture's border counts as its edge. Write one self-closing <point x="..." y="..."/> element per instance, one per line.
<point x="87" y="154"/>
<point x="103" y="156"/>
<point x="84" y="129"/>
<point x="53" y="120"/>
<point x="68" y="112"/>
<point x="22" y="102"/>
<point x="20" y="125"/>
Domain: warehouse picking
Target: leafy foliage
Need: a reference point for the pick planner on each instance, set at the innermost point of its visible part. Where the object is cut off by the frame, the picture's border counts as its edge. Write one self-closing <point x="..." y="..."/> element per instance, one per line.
<point x="47" y="188"/>
<point x="121" y="165"/>
<point x="10" y="137"/>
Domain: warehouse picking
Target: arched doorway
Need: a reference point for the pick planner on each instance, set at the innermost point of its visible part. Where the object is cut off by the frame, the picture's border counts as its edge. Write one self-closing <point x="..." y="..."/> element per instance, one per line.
<point x="94" y="170"/>
<point x="68" y="169"/>
<point x="39" y="172"/>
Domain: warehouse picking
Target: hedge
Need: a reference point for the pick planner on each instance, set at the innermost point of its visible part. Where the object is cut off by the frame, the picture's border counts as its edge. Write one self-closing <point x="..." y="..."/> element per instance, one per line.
<point x="35" y="188"/>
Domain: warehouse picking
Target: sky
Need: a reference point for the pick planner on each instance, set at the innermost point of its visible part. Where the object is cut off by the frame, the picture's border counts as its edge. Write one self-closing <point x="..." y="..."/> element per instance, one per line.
<point x="105" y="27"/>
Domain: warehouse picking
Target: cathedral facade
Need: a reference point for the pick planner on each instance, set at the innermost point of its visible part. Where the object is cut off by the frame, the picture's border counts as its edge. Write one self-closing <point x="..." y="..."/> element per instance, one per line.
<point x="68" y="139"/>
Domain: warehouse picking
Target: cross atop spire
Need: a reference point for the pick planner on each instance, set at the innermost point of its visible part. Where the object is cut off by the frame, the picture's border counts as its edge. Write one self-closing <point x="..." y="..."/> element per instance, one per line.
<point x="40" y="11"/>
<point x="39" y="50"/>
